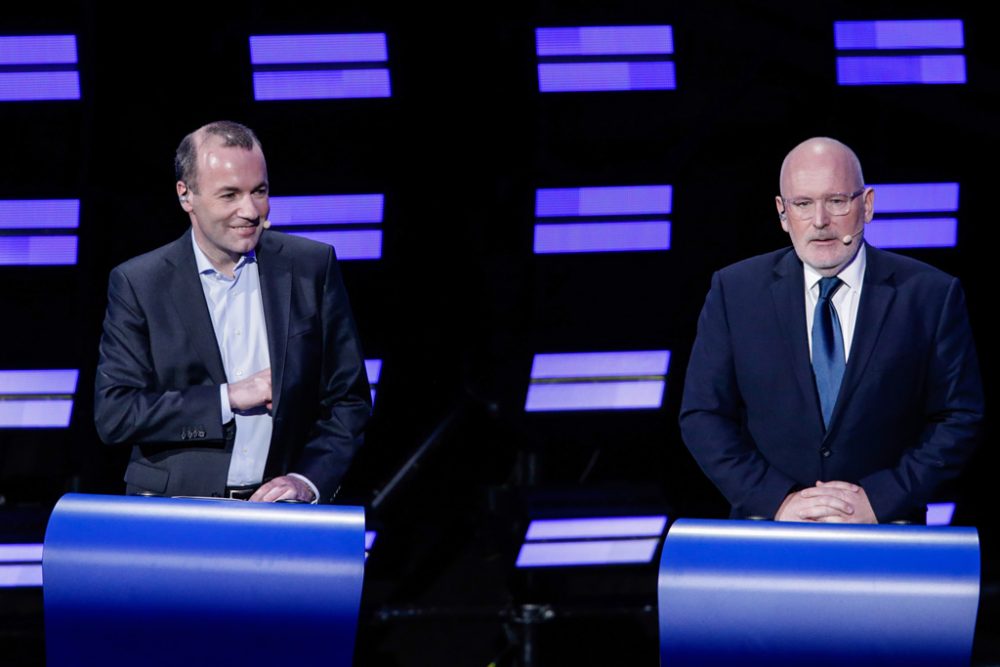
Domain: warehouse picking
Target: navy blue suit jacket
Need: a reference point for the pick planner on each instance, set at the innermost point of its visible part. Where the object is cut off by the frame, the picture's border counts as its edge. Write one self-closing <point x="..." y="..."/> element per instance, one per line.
<point x="159" y="370"/>
<point x="910" y="406"/>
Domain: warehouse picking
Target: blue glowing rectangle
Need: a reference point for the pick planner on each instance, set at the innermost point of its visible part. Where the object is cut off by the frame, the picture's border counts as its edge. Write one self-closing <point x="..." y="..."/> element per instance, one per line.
<point x="321" y="84"/>
<point x="940" y="514"/>
<point x="602" y="237"/>
<point x="370" y="536"/>
<point x="919" y="34"/>
<point x="563" y="396"/>
<point x="600" y="364"/>
<point x="912" y="233"/>
<point x="35" y="413"/>
<point x="617" y="200"/>
<point x="37" y="250"/>
<point x="20" y="553"/>
<point x="350" y="244"/>
<point x="605" y="76"/>
<point x="590" y="552"/>
<point x="39" y="213"/>
<point x="899" y="70"/>
<point x="20" y="576"/>
<point x="39" y="382"/>
<point x="39" y="86"/>
<point x="916" y="197"/>
<point x="602" y="527"/>
<point x="38" y="50"/>
<point x="326" y="209"/>
<point x="303" y="49"/>
<point x="373" y="367"/>
<point x="605" y="40"/>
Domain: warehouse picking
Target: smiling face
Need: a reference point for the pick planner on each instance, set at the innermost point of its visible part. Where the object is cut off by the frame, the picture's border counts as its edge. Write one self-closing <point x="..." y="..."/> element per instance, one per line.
<point x="816" y="170"/>
<point x="228" y="203"/>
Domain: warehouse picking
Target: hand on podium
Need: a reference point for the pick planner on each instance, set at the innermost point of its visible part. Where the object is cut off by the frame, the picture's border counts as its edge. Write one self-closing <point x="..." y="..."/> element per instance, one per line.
<point x="828" y="502"/>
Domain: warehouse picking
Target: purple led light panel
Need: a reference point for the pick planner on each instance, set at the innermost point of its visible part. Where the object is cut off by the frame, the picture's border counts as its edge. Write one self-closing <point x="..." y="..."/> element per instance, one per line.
<point x="617" y="200"/>
<point x="20" y="553"/>
<point x="879" y="35"/>
<point x="373" y="368"/>
<point x="646" y="394"/>
<point x="370" y="536"/>
<point x="35" y="414"/>
<point x="916" y="197"/>
<point x="326" y="209"/>
<point x="605" y="40"/>
<point x="39" y="86"/>
<point x="898" y="70"/>
<point x="600" y="364"/>
<point x="912" y="233"/>
<point x="622" y="526"/>
<point x="37" y="250"/>
<point x="302" y="49"/>
<point x="321" y="84"/>
<point x="38" y="50"/>
<point x="602" y="237"/>
<point x="39" y="382"/>
<point x="350" y="244"/>
<point x="591" y="552"/>
<point x="39" y="213"/>
<point x="940" y="514"/>
<point x="606" y="76"/>
<point x="17" y="576"/>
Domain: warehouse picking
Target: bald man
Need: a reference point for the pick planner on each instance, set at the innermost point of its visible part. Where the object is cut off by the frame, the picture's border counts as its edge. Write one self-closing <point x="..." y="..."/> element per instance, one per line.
<point x="229" y="359"/>
<point x="831" y="381"/>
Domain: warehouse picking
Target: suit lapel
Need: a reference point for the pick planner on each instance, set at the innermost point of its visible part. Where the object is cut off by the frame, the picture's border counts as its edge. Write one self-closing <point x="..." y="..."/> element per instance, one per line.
<point x="876" y="299"/>
<point x="192" y="310"/>
<point x="275" y="270"/>
<point x="788" y="294"/>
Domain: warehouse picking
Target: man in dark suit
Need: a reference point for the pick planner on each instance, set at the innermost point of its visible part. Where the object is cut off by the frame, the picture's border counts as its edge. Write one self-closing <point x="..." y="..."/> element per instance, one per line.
<point x="229" y="358"/>
<point x="831" y="381"/>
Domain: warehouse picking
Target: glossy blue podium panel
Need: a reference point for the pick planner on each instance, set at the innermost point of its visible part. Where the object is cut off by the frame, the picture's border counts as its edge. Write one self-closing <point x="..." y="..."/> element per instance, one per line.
<point x="170" y="581"/>
<point x="776" y="594"/>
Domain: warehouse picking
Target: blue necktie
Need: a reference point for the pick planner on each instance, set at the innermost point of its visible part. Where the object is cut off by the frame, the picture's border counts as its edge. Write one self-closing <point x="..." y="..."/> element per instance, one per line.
<point x="828" y="348"/>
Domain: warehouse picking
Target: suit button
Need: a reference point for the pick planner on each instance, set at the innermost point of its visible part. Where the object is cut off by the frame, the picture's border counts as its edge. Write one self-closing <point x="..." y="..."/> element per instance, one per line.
<point x="824" y="452"/>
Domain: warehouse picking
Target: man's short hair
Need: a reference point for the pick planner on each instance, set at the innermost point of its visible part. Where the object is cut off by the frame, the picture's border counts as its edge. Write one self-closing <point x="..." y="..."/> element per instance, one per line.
<point x="186" y="157"/>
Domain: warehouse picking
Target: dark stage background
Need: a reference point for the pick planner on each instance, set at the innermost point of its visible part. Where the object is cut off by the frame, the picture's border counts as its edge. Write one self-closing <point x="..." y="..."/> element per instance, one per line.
<point x="458" y="304"/>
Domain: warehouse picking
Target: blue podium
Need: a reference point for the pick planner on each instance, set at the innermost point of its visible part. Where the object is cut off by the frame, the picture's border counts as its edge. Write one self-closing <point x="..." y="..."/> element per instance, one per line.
<point x="777" y="594"/>
<point x="170" y="581"/>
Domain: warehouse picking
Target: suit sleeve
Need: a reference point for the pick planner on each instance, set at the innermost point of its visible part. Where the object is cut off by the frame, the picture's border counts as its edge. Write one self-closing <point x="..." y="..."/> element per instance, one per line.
<point x="712" y="419"/>
<point x="345" y="397"/>
<point x="130" y="406"/>
<point x="952" y="418"/>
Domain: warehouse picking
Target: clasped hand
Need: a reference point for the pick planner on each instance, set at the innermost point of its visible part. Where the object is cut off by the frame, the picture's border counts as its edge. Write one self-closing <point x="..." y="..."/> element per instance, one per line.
<point x="828" y="502"/>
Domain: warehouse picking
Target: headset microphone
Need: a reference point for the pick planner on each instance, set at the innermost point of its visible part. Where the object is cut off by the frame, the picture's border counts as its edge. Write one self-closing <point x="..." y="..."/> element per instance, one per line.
<point x="848" y="239"/>
<point x="265" y="223"/>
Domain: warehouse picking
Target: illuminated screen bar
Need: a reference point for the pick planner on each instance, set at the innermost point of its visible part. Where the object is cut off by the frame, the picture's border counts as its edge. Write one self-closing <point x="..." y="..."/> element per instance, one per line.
<point x="603" y="527"/>
<point x="20" y="553"/>
<point x="940" y="514"/>
<point x="39" y="213"/>
<point x="602" y="237"/>
<point x="304" y="49"/>
<point x="605" y="40"/>
<point x="38" y="50"/>
<point x="279" y="72"/>
<point x="595" y="396"/>
<point x="616" y="200"/>
<point x="898" y="70"/>
<point x="39" y="86"/>
<point x="326" y="209"/>
<point x="600" y="364"/>
<point x="591" y="552"/>
<point x="44" y="68"/>
<point x="37" y="398"/>
<point x="884" y="35"/>
<point x="37" y="250"/>
<point x="606" y="76"/>
<point x="350" y="244"/>
<point x="54" y="413"/>
<point x="39" y="382"/>
<point x="373" y="368"/>
<point x="913" y="232"/>
<point x="20" y="576"/>
<point x="370" y="536"/>
<point x="916" y="197"/>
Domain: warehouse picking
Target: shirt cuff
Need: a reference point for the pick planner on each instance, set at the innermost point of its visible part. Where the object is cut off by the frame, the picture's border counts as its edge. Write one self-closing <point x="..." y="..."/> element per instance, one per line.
<point x="312" y="486"/>
<point x="227" y="411"/>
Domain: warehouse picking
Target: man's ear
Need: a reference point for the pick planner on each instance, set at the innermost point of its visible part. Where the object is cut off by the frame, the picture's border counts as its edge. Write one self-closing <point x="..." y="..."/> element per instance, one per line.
<point x="782" y="215"/>
<point x="184" y="196"/>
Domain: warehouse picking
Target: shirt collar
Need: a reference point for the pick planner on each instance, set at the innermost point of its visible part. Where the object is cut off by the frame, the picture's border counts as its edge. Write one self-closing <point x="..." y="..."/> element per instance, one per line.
<point x="851" y="275"/>
<point x="205" y="265"/>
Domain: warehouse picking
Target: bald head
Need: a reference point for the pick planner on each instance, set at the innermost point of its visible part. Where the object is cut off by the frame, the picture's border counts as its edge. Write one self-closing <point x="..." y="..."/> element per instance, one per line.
<point x="820" y="153"/>
<point x="228" y="133"/>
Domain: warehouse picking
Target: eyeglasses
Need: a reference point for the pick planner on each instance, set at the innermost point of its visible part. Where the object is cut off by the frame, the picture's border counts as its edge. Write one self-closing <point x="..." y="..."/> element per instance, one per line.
<point x="835" y="204"/>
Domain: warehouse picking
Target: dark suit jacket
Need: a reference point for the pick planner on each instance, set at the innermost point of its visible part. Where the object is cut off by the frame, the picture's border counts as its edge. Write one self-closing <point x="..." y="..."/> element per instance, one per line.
<point x="159" y="370"/>
<point x="910" y="406"/>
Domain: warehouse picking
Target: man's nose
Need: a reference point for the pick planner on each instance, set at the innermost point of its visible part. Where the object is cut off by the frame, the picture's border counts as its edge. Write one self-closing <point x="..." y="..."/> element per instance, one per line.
<point x="249" y="208"/>
<point x="822" y="218"/>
